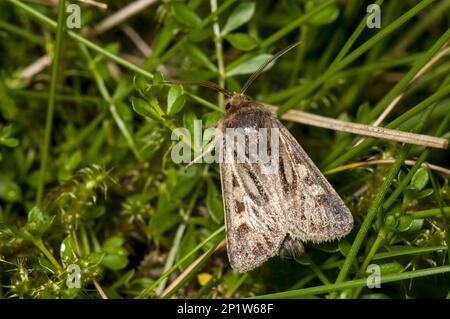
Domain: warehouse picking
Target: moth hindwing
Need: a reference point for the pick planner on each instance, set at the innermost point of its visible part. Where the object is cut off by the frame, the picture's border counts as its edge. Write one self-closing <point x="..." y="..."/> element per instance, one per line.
<point x="266" y="211"/>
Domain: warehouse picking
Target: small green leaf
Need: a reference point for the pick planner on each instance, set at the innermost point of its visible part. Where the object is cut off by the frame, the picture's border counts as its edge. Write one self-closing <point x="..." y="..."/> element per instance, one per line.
<point x="144" y="109"/>
<point x="241" y="15"/>
<point x="210" y="119"/>
<point x="5" y="138"/>
<point x="325" y="16"/>
<point x="140" y="83"/>
<point x="184" y="186"/>
<point x="189" y="118"/>
<point x="362" y="114"/>
<point x="116" y="257"/>
<point x="10" y="142"/>
<point x="214" y="203"/>
<point x="242" y="41"/>
<point x="9" y="190"/>
<point x="38" y="222"/>
<point x="46" y="265"/>
<point x="185" y="15"/>
<point x="175" y="100"/>
<point x="164" y="221"/>
<point x="67" y="251"/>
<point x="115" y="262"/>
<point x="112" y="244"/>
<point x="96" y="258"/>
<point x="198" y="35"/>
<point x="197" y="55"/>
<point x="420" y="178"/>
<point x="425" y="193"/>
<point x="8" y="107"/>
<point x="251" y="65"/>
<point x="404" y="223"/>
<point x="158" y="78"/>
<point x="13" y="231"/>
<point x="391" y="268"/>
<point x="187" y="244"/>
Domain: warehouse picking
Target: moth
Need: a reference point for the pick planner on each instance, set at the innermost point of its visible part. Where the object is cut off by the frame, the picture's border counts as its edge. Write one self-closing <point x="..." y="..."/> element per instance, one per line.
<point x="267" y="213"/>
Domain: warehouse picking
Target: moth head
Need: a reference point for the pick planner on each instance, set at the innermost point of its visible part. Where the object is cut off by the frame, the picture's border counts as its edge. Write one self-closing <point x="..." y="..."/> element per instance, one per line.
<point x="236" y="101"/>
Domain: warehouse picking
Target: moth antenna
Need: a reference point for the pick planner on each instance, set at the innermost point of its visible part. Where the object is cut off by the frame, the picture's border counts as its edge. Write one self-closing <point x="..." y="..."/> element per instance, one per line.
<point x="264" y="65"/>
<point x="206" y="84"/>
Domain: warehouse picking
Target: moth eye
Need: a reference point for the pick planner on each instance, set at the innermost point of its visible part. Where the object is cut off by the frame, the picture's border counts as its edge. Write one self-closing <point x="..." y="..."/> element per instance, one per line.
<point x="227" y="106"/>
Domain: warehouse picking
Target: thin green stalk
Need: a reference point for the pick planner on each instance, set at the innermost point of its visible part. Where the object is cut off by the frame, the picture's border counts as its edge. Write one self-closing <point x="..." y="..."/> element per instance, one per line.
<point x="59" y="97"/>
<point x="304" y="90"/>
<point x="11" y="28"/>
<point x="381" y="236"/>
<point x="282" y="32"/>
<point x="408" y="251"/>
<point x="355" y="283"/>
<point x="372" y="212"/>
<point x="359" y="29"/>
<point x="112" y="107"/>
<point x="395" y="252"/>
<point x="430" y="212"/>
<point x="51" y="101"/>
<point x="40" y="244"/>
<point x="422" y="158"/>
<point x="295" y="24"/>
<point x="192" y="271"/>
<point x="52" y="24"/>
<point x="147" y="291"/>
<point x="179" y="43"/>
<point x="406" y="80"/>
<point x="299" y="54"/>
<point x="421" y="25"/>
<point x="233" y="290"/>
<point x="375" y="208"/>
<point x="178" y="237"/>
<point x="393" y="124"/>
<point x="205" y="103"/>
<point x="437" y="194"/>
<point x="219" y="54"/>
<point x="317" y="271"/>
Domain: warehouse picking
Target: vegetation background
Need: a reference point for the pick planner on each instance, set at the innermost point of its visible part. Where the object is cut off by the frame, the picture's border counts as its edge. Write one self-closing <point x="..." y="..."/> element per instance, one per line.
<point x="86" y="177"/>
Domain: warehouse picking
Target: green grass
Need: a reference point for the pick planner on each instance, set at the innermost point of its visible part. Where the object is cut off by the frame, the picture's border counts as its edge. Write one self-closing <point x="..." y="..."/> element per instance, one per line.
<point x="86" y="176"/>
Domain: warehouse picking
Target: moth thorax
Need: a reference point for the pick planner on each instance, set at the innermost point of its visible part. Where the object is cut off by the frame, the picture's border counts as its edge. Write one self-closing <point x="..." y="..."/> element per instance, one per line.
<point x="236" y="101"/>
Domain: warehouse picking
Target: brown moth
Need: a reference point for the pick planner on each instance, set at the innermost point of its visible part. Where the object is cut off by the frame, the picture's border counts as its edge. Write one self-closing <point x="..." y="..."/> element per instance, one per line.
<point x="265" y="213"/>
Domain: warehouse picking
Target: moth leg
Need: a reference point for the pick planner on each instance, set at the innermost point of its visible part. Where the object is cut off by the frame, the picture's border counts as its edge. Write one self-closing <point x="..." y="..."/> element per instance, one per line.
<point x="291" y="247"/>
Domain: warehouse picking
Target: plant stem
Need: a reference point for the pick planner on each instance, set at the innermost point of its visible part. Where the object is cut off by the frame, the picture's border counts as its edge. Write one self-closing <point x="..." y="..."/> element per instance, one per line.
<point x="178" y="237"/>
<point x="51" y="101"/>
<point x="112" y="107"/>
<point x="355" y="283"/>
<point x="40" y="244"/>
<point x="437" y="194"/>
<point x="149" y="289"/>
<point x="303" y="91"/>
<point x="376" y="205"/>
<point x="219" y="53"/>
<point x="359" y="29"/>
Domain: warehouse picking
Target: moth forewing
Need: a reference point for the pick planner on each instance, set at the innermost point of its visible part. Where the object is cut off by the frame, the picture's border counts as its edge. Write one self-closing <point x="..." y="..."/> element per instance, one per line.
<point x="314" y="209"/>
<point x="265" y="211"/>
